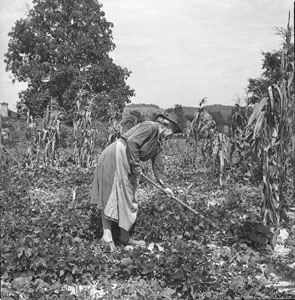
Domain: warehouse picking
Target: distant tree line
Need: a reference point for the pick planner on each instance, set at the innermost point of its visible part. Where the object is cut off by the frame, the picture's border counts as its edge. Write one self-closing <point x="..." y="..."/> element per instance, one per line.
<point x="220" y="114"/>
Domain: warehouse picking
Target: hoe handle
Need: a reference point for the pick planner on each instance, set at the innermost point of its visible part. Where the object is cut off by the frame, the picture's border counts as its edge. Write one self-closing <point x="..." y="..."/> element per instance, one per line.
<point x="174" y="198"/>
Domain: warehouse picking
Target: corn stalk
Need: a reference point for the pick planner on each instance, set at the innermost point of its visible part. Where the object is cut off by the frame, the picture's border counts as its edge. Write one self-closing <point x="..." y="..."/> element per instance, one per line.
<point x="285" y="89"/>
<point x="83" y="143"/>
<point x="202" y="126"/>
<point x="114" y="127"/>
<point x="221" y="149"/>
<point x="43" y="135"/>
<point x="271" y="130"/>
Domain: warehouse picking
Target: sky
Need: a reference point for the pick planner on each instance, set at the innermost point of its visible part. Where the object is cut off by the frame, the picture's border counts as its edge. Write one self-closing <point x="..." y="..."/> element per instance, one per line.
<point x="179" y="51"/>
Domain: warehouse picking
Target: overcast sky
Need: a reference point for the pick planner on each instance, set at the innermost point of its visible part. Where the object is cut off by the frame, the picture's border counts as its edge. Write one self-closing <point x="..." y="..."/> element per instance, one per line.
<point x="178" y="51"/>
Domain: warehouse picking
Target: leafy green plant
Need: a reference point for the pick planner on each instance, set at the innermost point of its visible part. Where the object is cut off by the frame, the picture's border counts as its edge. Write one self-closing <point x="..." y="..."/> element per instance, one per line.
<point x="49" y="239"/>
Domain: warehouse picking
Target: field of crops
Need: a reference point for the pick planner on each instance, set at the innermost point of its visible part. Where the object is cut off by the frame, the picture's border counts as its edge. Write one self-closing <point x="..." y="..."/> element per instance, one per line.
<point x="50" y="250"/>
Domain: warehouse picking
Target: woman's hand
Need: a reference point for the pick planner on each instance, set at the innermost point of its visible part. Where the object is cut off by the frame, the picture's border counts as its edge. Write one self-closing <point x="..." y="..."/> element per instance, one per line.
<point x="169" y="192"/>
<point x="138" y="178"/>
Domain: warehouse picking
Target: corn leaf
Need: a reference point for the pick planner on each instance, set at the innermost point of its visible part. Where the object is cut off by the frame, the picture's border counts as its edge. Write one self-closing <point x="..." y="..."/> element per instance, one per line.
<point x="257" y="110"/>
<point x="272" y="105"/>
<point x="279" y="91"/>
<point x="259" y="124"/>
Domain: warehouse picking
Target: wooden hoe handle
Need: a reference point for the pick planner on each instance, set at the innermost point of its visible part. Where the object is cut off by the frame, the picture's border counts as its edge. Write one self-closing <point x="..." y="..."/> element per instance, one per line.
<point x="174" y="198"/>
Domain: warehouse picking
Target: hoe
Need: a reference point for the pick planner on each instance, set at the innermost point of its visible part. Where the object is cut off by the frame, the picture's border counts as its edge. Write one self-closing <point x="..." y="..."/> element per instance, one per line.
<point x="174" y="198"/>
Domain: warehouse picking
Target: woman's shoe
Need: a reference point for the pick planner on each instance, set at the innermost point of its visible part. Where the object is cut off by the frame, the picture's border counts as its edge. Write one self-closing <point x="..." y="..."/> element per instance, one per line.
<point x="108" y="247"/>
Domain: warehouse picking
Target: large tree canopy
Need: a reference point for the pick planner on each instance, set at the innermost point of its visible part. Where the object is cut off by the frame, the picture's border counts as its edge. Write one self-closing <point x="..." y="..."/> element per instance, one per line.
<point x="62" y="48"/>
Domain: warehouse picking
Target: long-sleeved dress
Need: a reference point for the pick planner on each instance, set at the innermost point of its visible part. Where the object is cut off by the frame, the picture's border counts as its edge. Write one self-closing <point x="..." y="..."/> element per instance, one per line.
<point x="114" y="183"/>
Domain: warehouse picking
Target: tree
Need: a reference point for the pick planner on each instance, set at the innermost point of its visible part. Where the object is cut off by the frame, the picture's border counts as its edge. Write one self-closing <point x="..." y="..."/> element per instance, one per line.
<point x="138" y="115"/>
<point x="271" y="64"/>
<point x="61" y="49"/>
<point x="178" y="110"/>
<point x="218" y="118"/>
<point x="189" y="117"/>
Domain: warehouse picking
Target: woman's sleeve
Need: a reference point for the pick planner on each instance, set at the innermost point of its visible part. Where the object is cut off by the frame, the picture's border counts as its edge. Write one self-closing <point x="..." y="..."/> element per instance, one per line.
<point x="134" y="142"/>
<point x="158" y="169"/>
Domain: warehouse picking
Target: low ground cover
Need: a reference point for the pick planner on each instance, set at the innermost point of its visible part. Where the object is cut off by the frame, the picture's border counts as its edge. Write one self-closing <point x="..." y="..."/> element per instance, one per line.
<point x="49" y="240"/>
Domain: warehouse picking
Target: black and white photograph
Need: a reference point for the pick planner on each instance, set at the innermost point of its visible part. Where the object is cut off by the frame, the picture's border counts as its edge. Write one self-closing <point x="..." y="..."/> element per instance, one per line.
<point x="147" y="150"/>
